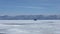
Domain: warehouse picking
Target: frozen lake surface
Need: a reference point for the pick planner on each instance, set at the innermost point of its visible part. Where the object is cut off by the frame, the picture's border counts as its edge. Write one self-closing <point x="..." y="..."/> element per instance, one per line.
<point x="29" y="27"/>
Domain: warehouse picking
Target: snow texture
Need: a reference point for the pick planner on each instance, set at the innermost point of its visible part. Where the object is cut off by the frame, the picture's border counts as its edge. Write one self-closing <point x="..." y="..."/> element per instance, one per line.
<point x="29" y="27"/>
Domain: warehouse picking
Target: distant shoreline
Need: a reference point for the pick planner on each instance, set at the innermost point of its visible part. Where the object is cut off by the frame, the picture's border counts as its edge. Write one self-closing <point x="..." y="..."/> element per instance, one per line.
<point x="30" y="17"/>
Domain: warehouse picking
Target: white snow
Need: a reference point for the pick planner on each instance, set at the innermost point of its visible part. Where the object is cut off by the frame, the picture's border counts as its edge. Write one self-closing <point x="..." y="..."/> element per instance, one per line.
<point x="30" y="27"/>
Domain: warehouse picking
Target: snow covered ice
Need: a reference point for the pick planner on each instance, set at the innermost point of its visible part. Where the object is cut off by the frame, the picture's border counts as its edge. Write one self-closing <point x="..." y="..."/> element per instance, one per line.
<point x="29" y="27"/>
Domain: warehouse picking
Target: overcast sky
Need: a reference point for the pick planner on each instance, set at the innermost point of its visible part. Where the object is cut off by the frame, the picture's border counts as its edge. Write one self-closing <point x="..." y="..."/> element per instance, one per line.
<point x="18" y="7"/>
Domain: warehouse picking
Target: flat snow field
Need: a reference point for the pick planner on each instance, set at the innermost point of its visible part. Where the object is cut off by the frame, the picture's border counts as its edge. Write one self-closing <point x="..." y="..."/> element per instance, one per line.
<point x="29" y="27"/>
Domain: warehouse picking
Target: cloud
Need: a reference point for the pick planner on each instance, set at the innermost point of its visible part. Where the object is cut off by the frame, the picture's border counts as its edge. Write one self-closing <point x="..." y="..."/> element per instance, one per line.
<point x="31" y="7"/>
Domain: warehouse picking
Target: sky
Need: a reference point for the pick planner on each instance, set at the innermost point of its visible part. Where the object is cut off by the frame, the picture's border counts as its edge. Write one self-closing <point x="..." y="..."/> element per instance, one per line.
<point x="29" y="7"/>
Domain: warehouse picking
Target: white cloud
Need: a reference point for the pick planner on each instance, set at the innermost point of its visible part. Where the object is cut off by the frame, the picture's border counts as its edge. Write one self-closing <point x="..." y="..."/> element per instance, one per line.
<point x="31" y="7"/>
